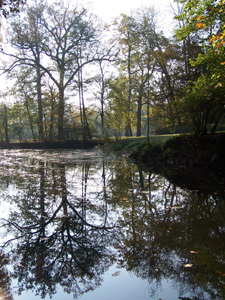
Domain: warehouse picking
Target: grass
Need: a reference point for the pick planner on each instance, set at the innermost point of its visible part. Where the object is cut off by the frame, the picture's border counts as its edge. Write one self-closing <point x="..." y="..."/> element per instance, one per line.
<point x="133" y="143"/>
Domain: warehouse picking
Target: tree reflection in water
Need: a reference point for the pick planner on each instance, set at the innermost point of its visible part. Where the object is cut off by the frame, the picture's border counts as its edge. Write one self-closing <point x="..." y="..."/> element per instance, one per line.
<point x="5" y="281"/>
<point x="53" y="241"/>
<point x="173" y="233"/>
<point x="73" y="214"/>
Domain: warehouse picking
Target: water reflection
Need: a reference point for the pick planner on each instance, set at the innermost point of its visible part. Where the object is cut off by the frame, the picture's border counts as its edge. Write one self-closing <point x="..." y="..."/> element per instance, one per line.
<point x="68" y="216"/>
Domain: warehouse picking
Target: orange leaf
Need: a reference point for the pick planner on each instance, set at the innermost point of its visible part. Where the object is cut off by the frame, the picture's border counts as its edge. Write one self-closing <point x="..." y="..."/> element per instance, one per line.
<point x="200" y="25"/>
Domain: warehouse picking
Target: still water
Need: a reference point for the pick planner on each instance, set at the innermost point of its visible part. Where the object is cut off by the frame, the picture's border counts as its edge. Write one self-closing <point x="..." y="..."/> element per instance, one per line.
<point x="92" y="226"/>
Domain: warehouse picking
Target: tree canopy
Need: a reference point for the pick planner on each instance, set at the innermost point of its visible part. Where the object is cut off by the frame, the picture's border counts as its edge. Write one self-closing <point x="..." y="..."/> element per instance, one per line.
<point x="77" y="78"/>
<point x="10" y="6"/>
<point x="207" y="18"/>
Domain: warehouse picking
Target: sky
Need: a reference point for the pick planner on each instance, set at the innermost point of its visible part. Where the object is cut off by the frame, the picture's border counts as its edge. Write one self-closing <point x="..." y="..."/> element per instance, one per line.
<point x="109" y="10"/>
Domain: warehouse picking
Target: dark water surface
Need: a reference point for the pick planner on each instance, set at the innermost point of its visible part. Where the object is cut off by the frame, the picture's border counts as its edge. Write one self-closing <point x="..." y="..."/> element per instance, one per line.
<point x="94" y="226"/>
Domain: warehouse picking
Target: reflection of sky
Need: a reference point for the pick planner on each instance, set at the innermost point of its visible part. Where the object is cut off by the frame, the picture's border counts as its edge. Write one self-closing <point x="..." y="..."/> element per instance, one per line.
<point x="122" y="287"/>
<point x="6" y="209"/>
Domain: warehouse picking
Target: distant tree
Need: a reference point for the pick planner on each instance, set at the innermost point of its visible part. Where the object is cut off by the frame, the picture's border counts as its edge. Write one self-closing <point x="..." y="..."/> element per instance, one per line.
<point x="120" y="108"/>
<point x="144" y="60"/>
<point x="26" y="38"/>
<point x="57" y="44"/>
<point x="102" y="88"/>
<point x="101" y="96"/>
<point x="128" y="40"/>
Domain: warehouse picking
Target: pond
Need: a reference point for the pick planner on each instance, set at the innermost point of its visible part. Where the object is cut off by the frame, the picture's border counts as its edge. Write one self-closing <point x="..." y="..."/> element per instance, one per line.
<point x="91" y="225"/>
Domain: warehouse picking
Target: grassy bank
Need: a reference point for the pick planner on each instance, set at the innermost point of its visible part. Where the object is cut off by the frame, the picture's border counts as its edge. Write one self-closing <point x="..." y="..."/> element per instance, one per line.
<point x="132" y="144"/>
<point x="186" y="150"/>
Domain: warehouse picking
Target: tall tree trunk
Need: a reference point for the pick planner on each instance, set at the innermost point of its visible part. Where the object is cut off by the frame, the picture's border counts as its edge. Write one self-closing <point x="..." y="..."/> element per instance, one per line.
<point x="128" y="130"/>
<point x="40" y="109"/>
<point x="6" y="125"/>
<point x="51" y="117"/>
<point x="102" y="99"/>
<point x="148" y="113"/>
<point x="61" y="108"/>
<point x="86" y="125"/>
<point x="29" y="118"/>
<point x="84" y="122"/>
<point x="37" y="54"/>
<point x="139" y="110"/>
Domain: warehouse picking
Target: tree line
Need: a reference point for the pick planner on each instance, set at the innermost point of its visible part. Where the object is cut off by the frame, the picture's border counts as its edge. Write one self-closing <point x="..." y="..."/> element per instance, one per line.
<point x="75" y="77"/>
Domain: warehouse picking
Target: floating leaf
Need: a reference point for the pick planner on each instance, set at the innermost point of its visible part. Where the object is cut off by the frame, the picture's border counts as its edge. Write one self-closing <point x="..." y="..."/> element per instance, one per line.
<point x="176" y="207"/>
<point x="194" y="252"/>
<point x="116" y="273"/>
<point x="188" y="265"/>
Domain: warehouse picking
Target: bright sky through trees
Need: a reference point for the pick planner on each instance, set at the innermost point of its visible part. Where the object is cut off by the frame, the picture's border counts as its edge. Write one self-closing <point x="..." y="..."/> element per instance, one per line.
<point x="109" y="10"/>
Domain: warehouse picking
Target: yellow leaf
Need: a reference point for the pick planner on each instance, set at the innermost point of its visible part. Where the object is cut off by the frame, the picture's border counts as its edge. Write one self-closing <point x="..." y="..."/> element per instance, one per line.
<point x="222" y="63"/>
<point x="213" y="38"/>
<point x="218" y="85"/>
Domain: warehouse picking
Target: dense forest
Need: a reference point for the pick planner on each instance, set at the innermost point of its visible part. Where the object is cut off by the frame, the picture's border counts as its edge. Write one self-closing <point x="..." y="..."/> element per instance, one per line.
<point x="73" y="77"/>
